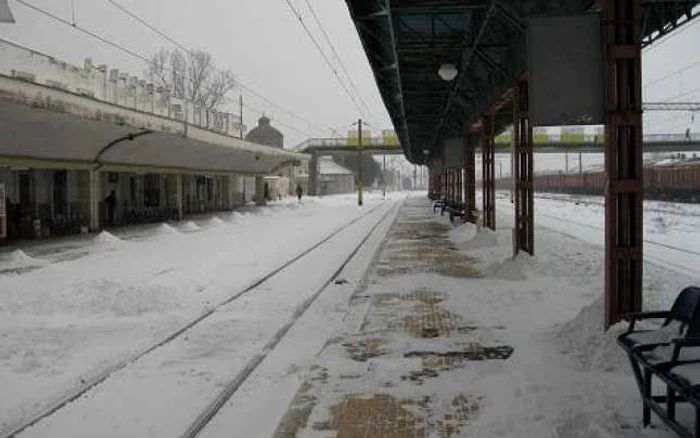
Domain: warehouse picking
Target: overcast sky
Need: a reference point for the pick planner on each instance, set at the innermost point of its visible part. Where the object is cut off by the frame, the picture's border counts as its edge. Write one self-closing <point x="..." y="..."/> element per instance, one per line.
<point x="262" y="42"/>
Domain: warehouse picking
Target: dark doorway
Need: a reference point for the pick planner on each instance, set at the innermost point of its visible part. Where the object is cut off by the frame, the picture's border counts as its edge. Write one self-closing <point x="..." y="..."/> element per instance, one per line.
<point x="60" y="193"/>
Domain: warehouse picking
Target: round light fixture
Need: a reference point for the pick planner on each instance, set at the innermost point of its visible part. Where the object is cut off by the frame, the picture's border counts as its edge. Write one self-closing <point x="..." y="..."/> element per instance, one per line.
<point x="447" y="72"/>
<point x="426" y="152"/>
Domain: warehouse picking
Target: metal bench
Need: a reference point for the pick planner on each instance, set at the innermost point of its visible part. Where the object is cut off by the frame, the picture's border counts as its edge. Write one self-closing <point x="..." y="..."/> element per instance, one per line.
<point x="668" y="354"/>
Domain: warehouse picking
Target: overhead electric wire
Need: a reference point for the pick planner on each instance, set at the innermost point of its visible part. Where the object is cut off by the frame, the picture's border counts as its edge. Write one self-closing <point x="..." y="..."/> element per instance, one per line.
<point x="188" y="50"/>
<point x="337" y="57"/>
<point x="113" y="44"/>
<point x="323" y="54"/>
<point x="83" y="30"/>
<point x="673" y="73"/>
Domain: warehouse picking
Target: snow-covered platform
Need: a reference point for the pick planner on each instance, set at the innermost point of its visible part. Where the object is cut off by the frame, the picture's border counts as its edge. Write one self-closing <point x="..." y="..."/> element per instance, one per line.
<point x="449" y="336"/>
<point x="397" y="324"/>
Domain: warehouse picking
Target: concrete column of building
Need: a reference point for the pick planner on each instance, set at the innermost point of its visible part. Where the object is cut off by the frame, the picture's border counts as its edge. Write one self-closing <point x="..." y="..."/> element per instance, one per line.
<point x="179" y="196"/>
<point x="260" y="190"/>
<point x="523" y="231"/>
<point x="313" y="173"/>
<point x="448" y="184"/>
<point x="622" y="36"/>
<point x="95" y="195"/>
<point x="488" y="172"/>
<point x="469" y="161"/>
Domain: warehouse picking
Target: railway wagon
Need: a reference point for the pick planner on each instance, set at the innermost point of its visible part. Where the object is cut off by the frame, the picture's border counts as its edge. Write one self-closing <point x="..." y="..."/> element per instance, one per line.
<point x="676" y="182"/>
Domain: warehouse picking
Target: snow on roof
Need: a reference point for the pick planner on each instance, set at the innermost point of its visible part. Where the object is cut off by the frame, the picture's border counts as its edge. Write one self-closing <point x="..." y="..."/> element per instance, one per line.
<point x="327" y="166"/>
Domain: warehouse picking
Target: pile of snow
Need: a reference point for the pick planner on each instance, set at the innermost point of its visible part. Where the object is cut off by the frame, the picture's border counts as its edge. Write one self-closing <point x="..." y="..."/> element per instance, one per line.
<point x="18" y="259"/>
<point x="216" y="222"/>
<point x="190" y="226"/>
<point x="593" y="348"/>
<point x="509" y="269"/>
<point x="107" y="238"/>
<point x="166" y="230"/>
<point x="480" y="238"/>
<point x="235" y="216"/>
<point x="462" y="233"/>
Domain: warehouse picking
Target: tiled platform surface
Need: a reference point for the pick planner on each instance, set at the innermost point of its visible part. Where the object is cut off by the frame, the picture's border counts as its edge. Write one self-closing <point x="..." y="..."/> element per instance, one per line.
<point x="394" y="372"/>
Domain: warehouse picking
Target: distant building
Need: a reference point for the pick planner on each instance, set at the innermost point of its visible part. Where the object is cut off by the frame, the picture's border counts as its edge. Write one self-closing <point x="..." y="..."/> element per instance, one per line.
<point x="334" y="179"/>
<point x="265" y="134"/>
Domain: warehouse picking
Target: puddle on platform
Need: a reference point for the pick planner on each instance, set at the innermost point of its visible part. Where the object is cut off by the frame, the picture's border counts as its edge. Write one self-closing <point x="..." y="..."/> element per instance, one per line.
<point x="476" y="351"/>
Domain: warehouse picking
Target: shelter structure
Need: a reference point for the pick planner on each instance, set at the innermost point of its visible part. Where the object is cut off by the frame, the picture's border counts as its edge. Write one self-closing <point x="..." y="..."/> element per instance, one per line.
<point x="454" y="74"/>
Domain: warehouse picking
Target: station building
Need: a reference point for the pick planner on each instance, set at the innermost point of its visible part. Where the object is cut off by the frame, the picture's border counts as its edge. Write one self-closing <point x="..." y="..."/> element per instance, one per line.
<point x="87" y="147"/>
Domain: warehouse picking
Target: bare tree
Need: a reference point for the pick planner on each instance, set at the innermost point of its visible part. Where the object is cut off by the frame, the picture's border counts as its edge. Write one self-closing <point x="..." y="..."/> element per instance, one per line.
<point x="191" y="75"/>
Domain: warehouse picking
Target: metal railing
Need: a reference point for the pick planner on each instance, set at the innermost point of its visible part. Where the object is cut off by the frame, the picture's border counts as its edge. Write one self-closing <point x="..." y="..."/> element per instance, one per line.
<point x="552" y="139"/>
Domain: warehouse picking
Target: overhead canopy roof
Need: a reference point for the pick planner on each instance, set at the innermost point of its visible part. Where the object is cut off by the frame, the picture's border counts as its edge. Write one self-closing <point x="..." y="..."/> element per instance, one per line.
<point x="62" y="133"/>
<point x="407" y="40"/>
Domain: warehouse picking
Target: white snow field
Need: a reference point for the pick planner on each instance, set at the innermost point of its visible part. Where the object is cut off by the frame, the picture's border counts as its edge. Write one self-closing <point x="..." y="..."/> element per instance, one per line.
<point x="68" y="313"/>
<point x="91" y="303"/>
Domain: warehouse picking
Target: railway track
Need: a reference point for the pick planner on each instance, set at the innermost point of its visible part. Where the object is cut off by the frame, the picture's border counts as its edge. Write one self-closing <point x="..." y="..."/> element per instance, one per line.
<point x="198" y="425"/>
<point x="588" y="201"/>
<point x="103" y="376"/>
<point x="647" y="241"/>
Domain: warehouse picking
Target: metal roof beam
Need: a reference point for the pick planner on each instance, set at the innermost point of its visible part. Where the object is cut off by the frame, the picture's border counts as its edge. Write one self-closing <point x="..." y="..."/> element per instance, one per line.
<point x="436" y="6"/>
<point x="466" y="60"/>
<point x="511" y="17"/>
<point x="447" y="48"/>
<point x="491" y="64"/>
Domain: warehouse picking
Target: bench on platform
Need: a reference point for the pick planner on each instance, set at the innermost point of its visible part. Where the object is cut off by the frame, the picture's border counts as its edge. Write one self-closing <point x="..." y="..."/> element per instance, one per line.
<point x="439" y="204"/>
<point x="670" y="353"/>
<point x="456" y="210"/>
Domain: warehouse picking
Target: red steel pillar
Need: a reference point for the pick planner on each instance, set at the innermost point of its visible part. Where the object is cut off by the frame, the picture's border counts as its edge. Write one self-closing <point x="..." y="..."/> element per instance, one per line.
<point x="524" y="230"/>
<point x="450" y="188"/>
<point x="622" y="36"/>
<point x="455" y="186"/>
<point x="469" y="174"/>
<point x="488" y="173"/>
<point x="458" y="185"/>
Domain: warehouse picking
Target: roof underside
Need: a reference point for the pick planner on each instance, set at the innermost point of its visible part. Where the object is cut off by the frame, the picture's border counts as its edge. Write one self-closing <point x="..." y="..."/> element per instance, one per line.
<point x="65" y="133"/>
<point x="407" y="40"/>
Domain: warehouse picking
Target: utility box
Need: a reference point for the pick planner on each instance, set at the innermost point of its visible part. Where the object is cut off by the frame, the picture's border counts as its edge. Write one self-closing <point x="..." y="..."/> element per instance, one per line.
<point x="565" y="71"/>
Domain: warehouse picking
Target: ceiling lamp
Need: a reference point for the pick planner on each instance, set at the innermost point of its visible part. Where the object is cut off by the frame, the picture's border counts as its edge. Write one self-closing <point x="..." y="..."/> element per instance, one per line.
<point x="5" y="13"/>
<point x="447" y="72"/>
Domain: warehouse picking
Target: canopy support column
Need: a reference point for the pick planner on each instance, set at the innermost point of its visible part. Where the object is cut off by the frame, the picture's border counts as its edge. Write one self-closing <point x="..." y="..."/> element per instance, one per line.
<point x="622" y="35"/>
<point x="523" y="232"/>
<point x="488" y="173"/>
<point x="469" y="174"/>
